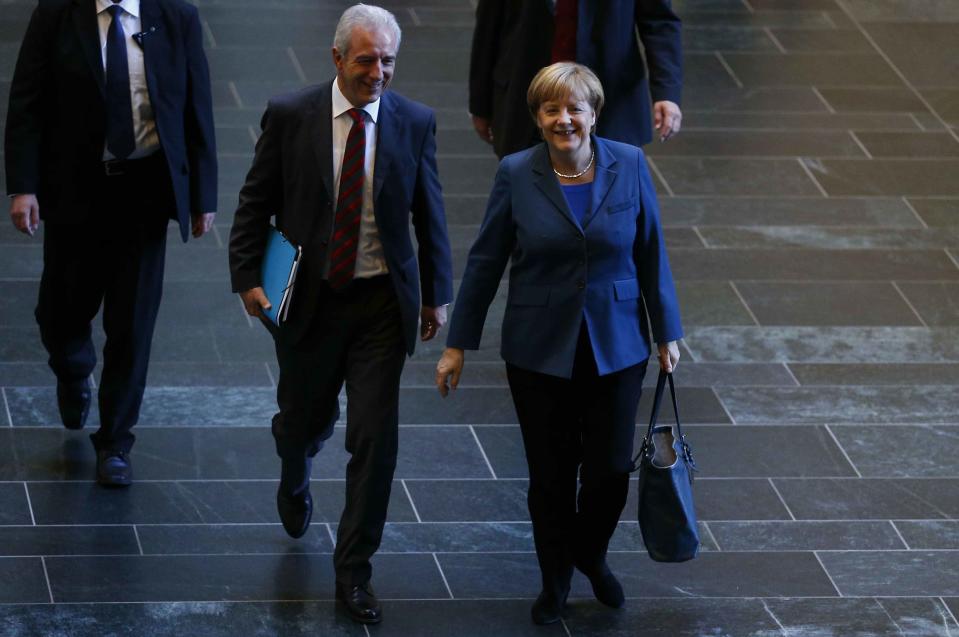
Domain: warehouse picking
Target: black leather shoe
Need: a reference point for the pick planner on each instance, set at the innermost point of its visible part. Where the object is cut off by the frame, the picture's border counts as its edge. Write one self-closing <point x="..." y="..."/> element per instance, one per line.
<point x="547" y="609"/>
<point x="295" y="511"/>
<point x="73" y="400"/>
<point x="360" y="603"/>
<point x="113" y="468"/>
<point x="606" y="588"/>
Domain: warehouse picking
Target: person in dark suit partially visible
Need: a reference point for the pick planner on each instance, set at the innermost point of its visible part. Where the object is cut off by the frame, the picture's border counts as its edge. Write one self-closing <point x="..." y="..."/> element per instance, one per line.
<point x="577" y="220"/>
<point x="345" y="166"/>
<point x="109" y="135"/>
<point x="513" y="40"/>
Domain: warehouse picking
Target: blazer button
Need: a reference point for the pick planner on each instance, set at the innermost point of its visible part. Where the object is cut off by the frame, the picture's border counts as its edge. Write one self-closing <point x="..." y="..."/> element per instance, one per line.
<point x="581" y="285"/>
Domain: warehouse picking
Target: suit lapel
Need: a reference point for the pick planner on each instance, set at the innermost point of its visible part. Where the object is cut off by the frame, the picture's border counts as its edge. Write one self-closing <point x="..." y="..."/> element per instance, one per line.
<point x="603" y="179"/>
<point x="548" y="184"/>
<point x="322" y="124"/>
<point x="85" y="23"/>
<point x="150" y="27"/>
<point x="386" y="135"/>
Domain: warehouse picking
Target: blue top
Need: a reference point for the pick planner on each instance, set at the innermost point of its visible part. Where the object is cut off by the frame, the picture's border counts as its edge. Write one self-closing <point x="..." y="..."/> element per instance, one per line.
<point x="578" y="197"/>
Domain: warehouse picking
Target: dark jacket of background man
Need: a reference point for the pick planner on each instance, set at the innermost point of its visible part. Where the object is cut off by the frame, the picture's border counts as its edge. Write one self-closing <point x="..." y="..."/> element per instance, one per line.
<point x="512" y="41"/>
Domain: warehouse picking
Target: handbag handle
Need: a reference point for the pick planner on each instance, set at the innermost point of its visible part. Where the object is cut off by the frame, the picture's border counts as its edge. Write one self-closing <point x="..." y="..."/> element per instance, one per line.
<point x="654" y="416"/>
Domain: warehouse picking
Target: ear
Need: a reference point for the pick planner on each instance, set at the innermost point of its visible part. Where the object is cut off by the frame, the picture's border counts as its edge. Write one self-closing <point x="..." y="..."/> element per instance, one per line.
<point x="337" y="57"/>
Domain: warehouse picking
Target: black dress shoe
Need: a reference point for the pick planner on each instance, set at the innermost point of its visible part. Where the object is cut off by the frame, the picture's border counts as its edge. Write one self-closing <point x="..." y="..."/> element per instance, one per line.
<point x="360" y="603"/>
<point x="606" y="588"/>
<point x="73" y="400"/>
<point x="547" y="609"/>
<point x="295" y="511"/>
<point x="113" y="468"/>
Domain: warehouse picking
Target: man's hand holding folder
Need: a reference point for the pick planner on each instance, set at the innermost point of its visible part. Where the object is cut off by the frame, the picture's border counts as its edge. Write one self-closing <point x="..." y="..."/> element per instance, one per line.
<point x="256" y="303"/>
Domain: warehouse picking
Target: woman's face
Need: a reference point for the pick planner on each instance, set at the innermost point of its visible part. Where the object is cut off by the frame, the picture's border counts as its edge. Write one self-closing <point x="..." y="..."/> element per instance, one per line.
<point x="565" y="123"/>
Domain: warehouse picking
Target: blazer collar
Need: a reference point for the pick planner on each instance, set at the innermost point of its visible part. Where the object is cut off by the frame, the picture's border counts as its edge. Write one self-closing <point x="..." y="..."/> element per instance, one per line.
<point x="604" y="176"/>
<point x="322" y="124"/>
<point x="386" y="140"/>
<point x="85" y="23"/>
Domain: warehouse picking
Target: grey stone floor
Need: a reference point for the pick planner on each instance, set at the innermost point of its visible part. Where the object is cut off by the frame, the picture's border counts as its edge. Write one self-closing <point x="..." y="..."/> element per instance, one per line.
<point x="812" y="212"/>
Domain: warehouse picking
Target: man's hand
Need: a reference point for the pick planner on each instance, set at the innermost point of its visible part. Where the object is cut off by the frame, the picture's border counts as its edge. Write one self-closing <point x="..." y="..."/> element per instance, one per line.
<point x="255" y="302"/>
<point x="202" y="224"/>
<point x="668" y="119"/>
<point x="431" y="320"/>
<point x="450" y="366"/>
<point x="25" y="213"/>
<point x="668" y="356"/>
<point x="483" y="128"/>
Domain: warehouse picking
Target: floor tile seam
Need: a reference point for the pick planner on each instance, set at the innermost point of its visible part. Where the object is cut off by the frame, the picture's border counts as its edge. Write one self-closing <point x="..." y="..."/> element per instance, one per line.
<point x="803" y="163"/>
<point x="842" y="450"/>
<point x="752" y="315"/>
<point x="902" y="77"/>
<point x="483" y="452"/>
<point x="704" y="478"/>
<point x="46" y="577"/>
<point x="6" y="406"/>
<point x="409" y="497"/>
<point x="331" y="600"/>
<point x="771" y="614"/>
<point x="902" y="539"/>
<point x="941" y="598"/>
<point x="781" y="498"/>
<point x="859" y="143"/>
<point x="729" y="70"/>
<point x="827" y="573"/>
<point x="439" y="567"/>
<point x="909" y="304"/>
<point x="26" y="493"/>
<point x="152" y="555"/>
<point x="496" y="522"/>
<point x="912" y="208"/>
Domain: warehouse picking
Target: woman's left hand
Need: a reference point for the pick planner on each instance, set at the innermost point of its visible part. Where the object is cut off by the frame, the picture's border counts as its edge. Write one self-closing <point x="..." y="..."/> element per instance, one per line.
<point x="668" y="356"/>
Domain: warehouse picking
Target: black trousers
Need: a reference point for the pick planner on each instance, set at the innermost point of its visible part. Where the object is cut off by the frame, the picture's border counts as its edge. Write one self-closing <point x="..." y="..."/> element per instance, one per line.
<point x="356" y="337"/>
<point x="584" y="424"/>
<point x="115" y="257"/>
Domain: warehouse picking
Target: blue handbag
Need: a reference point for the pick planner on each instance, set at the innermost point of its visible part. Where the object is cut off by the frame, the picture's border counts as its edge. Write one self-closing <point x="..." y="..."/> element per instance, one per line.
<point x="667" y="517"/>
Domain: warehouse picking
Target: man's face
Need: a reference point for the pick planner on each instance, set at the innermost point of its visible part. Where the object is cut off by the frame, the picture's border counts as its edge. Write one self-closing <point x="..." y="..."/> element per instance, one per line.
<point x="366" y="69"/>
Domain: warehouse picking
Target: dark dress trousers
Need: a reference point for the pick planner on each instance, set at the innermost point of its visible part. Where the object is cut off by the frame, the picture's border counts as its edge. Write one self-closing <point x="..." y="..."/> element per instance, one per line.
<point x="512" y="40"/>
<point x="105" y="235"/>
<point x="575" y="336"/>
<point x="360" y="335"/>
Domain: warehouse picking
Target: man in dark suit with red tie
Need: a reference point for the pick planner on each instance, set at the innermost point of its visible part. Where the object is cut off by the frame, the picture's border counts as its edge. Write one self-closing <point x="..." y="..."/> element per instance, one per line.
<point x="109" y="135"/>
<point x="345" y="166"/>
<point x="513" y="40"/>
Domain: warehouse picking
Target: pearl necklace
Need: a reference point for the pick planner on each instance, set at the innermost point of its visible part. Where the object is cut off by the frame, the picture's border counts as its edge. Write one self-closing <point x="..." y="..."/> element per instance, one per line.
<point x="592" y="156"/>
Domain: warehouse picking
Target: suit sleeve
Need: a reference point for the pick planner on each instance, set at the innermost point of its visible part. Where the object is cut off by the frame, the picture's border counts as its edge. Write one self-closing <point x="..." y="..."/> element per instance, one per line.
<point x="198" y="122"/>
<point x="429" y="224"/>
<point x="260" y="198"/>
<point x="649" y="254"/>
<point x="25" y="114"/>
<point x="486" y="46"/>
<point x="484" y="267"/>
<point x="660" y="30"/>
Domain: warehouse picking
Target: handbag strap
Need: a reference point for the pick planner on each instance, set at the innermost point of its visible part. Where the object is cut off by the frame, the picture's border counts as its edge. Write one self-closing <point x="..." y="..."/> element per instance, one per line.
<point x="654" y="416"/>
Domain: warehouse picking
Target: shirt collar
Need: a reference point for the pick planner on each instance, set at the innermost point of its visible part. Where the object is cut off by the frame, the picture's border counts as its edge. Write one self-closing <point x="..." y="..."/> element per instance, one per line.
<point x="130" y="6"/>
<point x="341" y="104"/>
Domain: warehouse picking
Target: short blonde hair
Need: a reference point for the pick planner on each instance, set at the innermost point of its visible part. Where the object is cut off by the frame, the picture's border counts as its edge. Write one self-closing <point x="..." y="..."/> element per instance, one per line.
<point x="562" y="79"/>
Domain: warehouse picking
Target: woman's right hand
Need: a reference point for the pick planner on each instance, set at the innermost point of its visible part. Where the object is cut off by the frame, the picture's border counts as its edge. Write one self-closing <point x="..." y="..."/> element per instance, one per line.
<point x="449" y="368"/>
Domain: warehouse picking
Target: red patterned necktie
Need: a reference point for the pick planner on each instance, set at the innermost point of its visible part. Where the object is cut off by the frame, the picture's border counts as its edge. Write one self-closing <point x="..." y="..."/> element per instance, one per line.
<point x="349" y="205"/>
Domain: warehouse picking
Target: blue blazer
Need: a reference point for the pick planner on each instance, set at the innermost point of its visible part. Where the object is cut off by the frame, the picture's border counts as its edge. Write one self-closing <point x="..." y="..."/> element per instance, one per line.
<point x="605" y="271"/>
<point x="292" y="179"/>
<point x="56" y="122"/>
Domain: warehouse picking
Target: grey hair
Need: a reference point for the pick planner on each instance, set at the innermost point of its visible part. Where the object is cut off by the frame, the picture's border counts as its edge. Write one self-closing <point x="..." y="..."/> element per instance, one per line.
<point x="368" y="17"/>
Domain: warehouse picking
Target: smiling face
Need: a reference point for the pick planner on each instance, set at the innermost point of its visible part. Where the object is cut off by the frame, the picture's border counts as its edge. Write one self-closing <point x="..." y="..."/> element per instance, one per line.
<point x="565" y="123"/>
<point x="364" y="71"/>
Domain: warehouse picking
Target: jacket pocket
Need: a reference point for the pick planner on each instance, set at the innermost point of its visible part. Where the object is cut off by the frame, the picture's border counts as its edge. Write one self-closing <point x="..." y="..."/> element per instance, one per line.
<point x="629" y="204"/>
<point x="528" y="295"/>
<point x="626" y="290"/>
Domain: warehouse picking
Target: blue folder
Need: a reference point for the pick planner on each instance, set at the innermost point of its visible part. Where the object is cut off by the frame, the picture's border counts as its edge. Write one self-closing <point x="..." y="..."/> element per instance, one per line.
<point x="278" y="274"/>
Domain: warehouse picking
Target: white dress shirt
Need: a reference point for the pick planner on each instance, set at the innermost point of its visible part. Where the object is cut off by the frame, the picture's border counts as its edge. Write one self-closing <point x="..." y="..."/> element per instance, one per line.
<point x="144" y="124"/>
<point x="370" y="261"/>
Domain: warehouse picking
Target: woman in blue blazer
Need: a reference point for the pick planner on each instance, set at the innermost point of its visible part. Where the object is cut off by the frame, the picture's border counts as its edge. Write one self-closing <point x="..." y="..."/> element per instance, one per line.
<point x="577" y="218"/>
